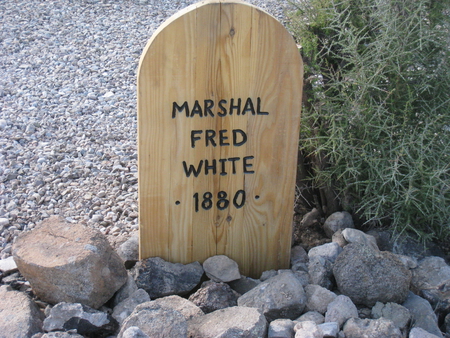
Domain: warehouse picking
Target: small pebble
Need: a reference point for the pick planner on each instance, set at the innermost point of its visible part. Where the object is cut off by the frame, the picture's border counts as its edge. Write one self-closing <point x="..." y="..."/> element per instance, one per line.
<point x="3" y="222"/>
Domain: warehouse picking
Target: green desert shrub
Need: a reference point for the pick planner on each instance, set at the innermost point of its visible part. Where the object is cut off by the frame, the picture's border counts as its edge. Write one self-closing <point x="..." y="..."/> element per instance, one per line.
<point x="375" y="136"/>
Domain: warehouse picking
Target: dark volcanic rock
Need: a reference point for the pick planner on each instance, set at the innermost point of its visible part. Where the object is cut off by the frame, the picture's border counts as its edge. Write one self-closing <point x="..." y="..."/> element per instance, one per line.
<point x="214" y="296"/>
<point x="87" y="321"/>
<point x="160" y="278"/>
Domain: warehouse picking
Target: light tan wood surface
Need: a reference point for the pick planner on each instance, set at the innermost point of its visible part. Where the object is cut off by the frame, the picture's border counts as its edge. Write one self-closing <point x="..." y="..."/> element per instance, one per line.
<point x="206" y="56"/>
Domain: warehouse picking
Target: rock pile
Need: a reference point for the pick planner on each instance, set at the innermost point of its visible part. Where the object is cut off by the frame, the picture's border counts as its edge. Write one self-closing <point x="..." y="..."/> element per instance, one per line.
<point x="365" y="292"/>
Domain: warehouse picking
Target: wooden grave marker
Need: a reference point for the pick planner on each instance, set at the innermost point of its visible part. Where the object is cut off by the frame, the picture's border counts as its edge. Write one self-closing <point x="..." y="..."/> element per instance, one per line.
<point x="219" y="101"/>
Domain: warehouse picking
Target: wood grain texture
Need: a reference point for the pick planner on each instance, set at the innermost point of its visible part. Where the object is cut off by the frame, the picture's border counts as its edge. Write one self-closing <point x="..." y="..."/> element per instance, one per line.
<point x="217" y="51"/>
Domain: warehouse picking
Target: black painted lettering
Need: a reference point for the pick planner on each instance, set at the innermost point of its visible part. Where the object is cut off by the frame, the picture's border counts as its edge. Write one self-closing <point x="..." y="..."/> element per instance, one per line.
<point x="223" y="138"/>
<point x="212" y="167"/>
<point x="258" y="108"/>
<point x="241" y="194"/>
<point x="207" y="200"/>
<point x="223" y="109"/>
<point x="176" y="108"/>
<point x="222" y="201"/>
<point x="237" y="107"/>
<point x="192" y="169"/>
<point x="209" y="137"/>
<point x="233" y="161"/>
<point x="222" y="161"/>
<point x="195" y="138"/>
<point x="197" y="109"/>
<point x="243" y="140"/>
<point x="196" y="202"/>
<point x="248" y="166"/>
<point x="248" y="107"/>
<point x="209" y="105"/>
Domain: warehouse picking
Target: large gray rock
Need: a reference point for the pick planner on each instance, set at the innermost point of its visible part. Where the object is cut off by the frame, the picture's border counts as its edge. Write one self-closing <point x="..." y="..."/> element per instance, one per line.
<point x="320" y="265"/>
<point x="337" y="221"/>
<point x="244" y="284"/>
<point x="156" y="322"/>
<point x="431" y="280"/>
<point x="69" y="263"/>
<point x="299" y="259"/>
<point x="188" y="309"/>
<point x="422" y="314"/>
<point x="19" y="315"/>
<point x="75" y="316"/>
<point x="220" y="268"/>
<point x="318" y="298"/>
<point x="314" y="316"/>
<point x="281" y="328"/>
<point x="320" y="272"/>
<point x="160" y="278"/>
<point x="340" y="310"/>
<point x="329" y="251"/>
<point x="281" y="296"/>
<point x="417" y="332"/>
<point x="368" y="276"/>
<point x="330" y="329"/>
<point x="307" y="329"/>
<point x="125" y="291"/>
<point x="127" y="306"/>
<point x="371" y="328"/>
<point x="229" y="323"/>
<point x="399" y="315"/>
<point x="213" y="296"/>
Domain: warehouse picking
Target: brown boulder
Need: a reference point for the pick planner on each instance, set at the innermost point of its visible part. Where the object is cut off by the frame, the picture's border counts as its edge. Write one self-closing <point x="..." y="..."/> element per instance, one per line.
<point x="69" y="263"/>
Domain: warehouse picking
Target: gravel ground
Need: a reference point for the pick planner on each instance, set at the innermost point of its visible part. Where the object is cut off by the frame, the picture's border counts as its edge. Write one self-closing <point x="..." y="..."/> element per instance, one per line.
<point x="68" y="110"/>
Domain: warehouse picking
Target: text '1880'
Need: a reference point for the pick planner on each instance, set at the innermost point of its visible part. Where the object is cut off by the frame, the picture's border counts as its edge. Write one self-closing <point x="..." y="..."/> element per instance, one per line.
<point x="222" y="202"/>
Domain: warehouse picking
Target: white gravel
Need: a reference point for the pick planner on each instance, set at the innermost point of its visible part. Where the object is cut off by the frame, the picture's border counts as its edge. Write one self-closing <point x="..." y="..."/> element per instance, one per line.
<point x="68" y="110"/>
